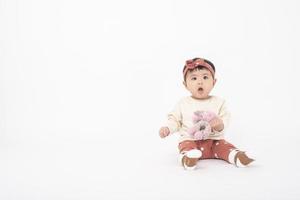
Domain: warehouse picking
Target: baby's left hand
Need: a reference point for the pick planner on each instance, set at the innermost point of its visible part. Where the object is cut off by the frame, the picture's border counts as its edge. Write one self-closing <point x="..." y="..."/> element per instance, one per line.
<point x="217" y="124"/>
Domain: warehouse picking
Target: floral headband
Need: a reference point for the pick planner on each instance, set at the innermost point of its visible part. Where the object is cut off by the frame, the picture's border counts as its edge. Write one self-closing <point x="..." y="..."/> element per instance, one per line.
<point x="192" y="64"/>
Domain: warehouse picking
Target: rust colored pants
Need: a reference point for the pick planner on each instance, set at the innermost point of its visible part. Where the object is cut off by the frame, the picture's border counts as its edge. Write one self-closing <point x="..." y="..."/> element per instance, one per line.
<point x="218" y="149"/>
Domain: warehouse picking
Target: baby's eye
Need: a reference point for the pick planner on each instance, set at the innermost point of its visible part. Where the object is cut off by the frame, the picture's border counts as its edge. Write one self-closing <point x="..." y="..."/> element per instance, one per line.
<point x="193" y="78"/>
<point x="205" y="77"/>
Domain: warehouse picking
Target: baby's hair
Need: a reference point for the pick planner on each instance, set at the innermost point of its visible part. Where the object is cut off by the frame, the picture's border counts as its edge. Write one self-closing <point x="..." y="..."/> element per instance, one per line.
<point x="199" y="67"/>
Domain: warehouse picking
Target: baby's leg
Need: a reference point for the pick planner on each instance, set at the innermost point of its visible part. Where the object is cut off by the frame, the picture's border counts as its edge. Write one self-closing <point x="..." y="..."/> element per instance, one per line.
<point x="222" y="149"/>
<point x="187" y="145"/>
<point x="189" y="154"/>
<point x="205" y="146"/>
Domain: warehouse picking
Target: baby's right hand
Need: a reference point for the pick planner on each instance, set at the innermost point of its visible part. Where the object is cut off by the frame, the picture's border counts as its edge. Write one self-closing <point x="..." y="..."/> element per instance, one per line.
<point x="164" y="132"/>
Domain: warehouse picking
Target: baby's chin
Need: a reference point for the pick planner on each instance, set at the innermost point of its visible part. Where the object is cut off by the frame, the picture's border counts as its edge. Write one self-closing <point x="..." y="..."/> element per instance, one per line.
<point x="200" y="96"/>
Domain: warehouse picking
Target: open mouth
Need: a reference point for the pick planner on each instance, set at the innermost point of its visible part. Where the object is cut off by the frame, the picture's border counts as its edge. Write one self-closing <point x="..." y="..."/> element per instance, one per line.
<point x="200" y="89"/>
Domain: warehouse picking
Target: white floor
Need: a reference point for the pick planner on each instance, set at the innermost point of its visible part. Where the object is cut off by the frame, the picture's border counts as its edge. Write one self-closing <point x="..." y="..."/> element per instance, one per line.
<point x="80" y="168"/>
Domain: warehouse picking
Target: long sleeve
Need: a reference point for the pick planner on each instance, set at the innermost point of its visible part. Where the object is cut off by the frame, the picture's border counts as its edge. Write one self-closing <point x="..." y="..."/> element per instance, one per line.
<point x="174" y="119"/>
<point x="225" y="116"/>
<point x="180" y="119"/>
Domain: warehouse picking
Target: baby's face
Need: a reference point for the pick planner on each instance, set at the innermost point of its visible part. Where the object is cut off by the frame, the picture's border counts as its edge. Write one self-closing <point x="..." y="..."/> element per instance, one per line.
<point x="199" y="83"/>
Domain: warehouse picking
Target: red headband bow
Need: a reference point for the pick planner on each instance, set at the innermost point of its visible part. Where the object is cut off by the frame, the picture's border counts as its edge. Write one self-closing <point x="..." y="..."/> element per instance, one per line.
<point x="192" y="64"/>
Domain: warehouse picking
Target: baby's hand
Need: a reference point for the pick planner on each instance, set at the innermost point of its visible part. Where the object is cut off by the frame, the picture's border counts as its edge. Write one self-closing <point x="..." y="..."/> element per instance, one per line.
<point x="217" y="124"/>
<point x="164" y="132"/>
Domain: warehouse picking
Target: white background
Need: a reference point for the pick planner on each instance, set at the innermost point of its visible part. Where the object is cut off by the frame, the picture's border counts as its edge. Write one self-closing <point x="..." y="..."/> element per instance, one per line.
<point x="85" y="86"/>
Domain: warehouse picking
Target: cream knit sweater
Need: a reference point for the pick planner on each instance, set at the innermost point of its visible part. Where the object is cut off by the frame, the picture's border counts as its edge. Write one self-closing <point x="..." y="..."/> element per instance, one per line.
<point x="180" y="118"/>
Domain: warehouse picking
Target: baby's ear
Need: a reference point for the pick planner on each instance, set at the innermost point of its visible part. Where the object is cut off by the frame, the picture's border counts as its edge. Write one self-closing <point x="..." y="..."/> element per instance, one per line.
<point x="184" y="83"/>
<point x="215" y="80"/>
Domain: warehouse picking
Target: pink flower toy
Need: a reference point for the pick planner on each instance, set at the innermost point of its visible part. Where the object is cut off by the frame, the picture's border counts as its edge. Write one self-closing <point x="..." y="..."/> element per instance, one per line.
<point x="201" y="128"/>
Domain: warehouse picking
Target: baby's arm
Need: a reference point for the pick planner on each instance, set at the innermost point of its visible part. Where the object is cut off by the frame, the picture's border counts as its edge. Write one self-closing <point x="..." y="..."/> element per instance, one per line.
<point x="217" y="124"/>
<point x="173" y="122"/>
<point x="220" y="123"/>
<point x="224" y="114"/>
